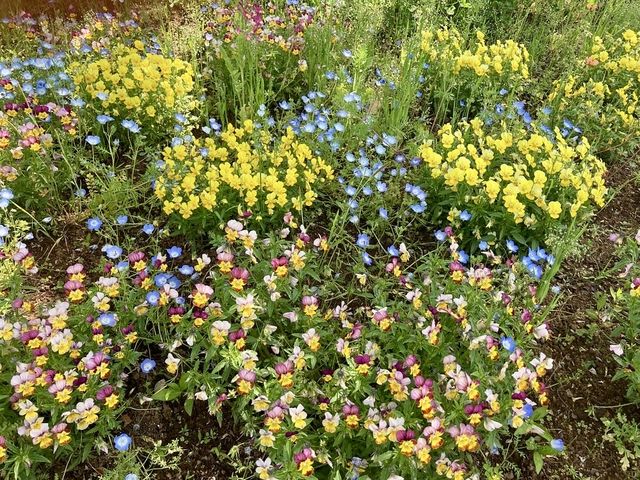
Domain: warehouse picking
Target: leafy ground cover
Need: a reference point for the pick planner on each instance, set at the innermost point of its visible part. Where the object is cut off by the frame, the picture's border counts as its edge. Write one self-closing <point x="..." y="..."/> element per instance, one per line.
<point x="277" y="240"/>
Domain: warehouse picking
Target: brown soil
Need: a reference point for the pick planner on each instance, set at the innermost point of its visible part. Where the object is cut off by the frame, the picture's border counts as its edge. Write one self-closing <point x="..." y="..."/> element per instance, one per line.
<point x="582" y="387"/>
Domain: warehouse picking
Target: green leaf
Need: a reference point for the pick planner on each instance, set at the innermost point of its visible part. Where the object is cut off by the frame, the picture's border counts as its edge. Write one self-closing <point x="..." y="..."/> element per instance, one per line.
<point x="538" y="462"/>
<point x="188" y="406"/>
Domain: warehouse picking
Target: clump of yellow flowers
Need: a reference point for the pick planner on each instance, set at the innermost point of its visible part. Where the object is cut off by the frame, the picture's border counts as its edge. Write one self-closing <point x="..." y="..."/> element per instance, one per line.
<point x="450" y="55"/>
<point x="131" y="84"/>
<point x="244" y="168"/>
<point x="524" y="175"/>
<point x="601" y="96"/>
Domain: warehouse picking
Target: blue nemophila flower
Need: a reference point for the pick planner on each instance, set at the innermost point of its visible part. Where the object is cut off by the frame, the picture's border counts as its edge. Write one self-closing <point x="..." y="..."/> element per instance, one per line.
<point x="107" y="319"/>
<point x="93" y="140"/>
<point x="393" y="251"/>
<point x="130" y="125"/>
<point x="499" y="108"/>
<point x="465" y="216"/>
<point x="186" y="270"/>
<point x="284" y="105"/>
<point x="122" y="219"/>
<point x="147" y="365"/>
<point x="4" y="231"/>
<point x="363" y="240"/>
<point x="148" y="228"/>
<point x="174" y="252"/>
<point x="557" y="444"/>
<point x="161" y="278"/>
<point x="350" y="190"/>
<point x="352" y="97"/>
<point x="81" y="193"/>
<point x="503" y="91"/>
<point x="547" y="110"/>
<point x="463" y="257"/>
<point x="383" y="213"/>
<point x="508" y="343"/>
<point x="103" y="119"/>
<point x="180" y="118"/>
<point x="112" y="251"/>
<point x="153" y="298"/>
<point x="555" y="289"/>
<point x="355" y="219"/>
<point x="347" y="53"/>
<point x="419" y="207"/>
<point x="440" y="236"/>
<point x="131" y="476"/>
<point x="122" y="442"/>
<point x="102" y="96"/>
<point x="6" y="195"/>
<point x="94" y="224"/>
<point x="527" y="410"/>
<point x="366" y="258"/>
<point x="388" y="140"/>
<point x="483" y="246"/>
<point x="511" y="246"/>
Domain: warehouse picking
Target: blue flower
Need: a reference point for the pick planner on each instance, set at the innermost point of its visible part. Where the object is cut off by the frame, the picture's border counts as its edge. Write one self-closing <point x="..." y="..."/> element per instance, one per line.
<point x="122" y="442"/>
<point x="393" y="251"/>
<point x="511" y="245"/>
<point x="465" y="216"/>
<point x="131" y="476"/>
<point x="130" y="125"/>
<point x="186" y="270"/>
<point x="94" y="224"/>
<point x="419" y="207"/>
<point x="93" y="140"/>
<point x="503" y="91"/>
<point x="161" y="278"/>
<point x="112" y="251"/>
<point x="363" y="240"/>
<point x="528" y="410"/>
<point x="366" y="259"/>
<point x="463" y="257"/>
<point x="347" y="53"/>
<point x="107" y="319"/>
<point x="5" y="195"/>
<point x="483" y="246"/>
<point x="147" y="365"/>
<point x="383" y="213"/>
<point x="148" y="228"/>
<point x="122" y="219"/>
<point x="4" y="231"/>
<point x="284" y="105"/>
<point x="174" y="252"/>
<point x="440" y="236"/>
<point x="508" y="344"/>
<point x="102" y="119"/>
<point x="153" y="298"/>
<point x="557" y="444"/>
